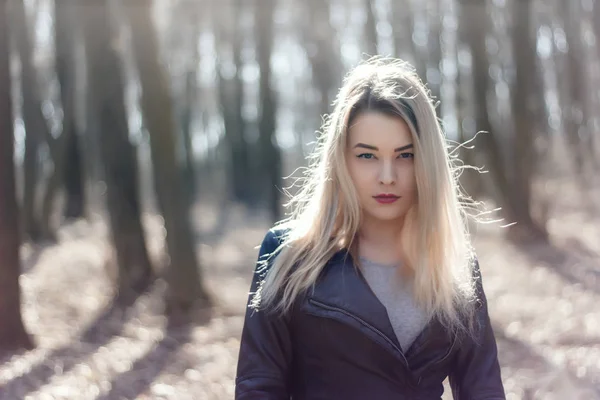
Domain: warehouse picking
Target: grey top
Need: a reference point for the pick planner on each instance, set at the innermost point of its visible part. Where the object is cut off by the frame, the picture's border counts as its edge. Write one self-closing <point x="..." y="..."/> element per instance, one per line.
<point x="407" y="319"/>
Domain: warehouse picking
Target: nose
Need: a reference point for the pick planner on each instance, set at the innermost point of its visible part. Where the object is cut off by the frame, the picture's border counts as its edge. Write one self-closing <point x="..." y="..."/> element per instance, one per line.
<point x="387" y="174"/>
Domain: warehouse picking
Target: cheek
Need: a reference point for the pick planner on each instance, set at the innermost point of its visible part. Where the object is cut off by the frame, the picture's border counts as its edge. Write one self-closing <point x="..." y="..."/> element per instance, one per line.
<point x="360" y="176"/>
<point x="408" y="179"/>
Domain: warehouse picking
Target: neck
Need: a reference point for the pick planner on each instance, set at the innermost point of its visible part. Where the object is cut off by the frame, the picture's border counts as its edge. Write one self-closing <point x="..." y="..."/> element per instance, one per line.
<point x="380" y="241"/>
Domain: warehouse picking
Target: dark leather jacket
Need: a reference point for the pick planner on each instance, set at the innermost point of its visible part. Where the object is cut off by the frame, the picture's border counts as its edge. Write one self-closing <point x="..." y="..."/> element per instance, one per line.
<point x="338" y="343"/>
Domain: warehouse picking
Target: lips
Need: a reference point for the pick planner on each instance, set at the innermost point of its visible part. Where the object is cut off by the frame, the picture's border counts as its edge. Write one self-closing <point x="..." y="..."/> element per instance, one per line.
<point x="386" y="198"/>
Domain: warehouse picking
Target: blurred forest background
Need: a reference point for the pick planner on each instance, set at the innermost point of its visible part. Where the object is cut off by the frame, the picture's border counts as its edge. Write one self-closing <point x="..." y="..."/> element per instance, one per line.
<point x="143" y="146"/>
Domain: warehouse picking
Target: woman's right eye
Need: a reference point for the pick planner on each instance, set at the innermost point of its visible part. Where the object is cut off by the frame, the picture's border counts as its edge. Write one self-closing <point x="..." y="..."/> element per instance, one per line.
<point x="367" y="156"/>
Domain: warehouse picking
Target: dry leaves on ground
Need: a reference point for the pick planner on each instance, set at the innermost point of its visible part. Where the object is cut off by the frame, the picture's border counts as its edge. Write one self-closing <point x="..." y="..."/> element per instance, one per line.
<point x="543" y="302"/>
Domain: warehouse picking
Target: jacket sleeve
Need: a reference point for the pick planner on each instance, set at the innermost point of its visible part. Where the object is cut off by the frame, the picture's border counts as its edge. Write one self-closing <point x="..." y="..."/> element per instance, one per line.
<point x="476" y="372"/>
<point x="264" y="361"/>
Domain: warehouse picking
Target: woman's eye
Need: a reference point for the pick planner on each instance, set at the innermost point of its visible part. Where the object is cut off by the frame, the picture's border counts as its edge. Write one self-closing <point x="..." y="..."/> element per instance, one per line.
<point x="406" y="155"/>
<point x="367" y="156"/>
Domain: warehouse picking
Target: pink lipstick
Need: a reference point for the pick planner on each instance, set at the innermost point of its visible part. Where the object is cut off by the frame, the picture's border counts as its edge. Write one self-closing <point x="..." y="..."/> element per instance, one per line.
<point x="386" y="198"/>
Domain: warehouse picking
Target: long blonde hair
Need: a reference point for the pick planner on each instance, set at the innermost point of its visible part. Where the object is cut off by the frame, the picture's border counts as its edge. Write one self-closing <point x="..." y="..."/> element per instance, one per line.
<point x="326" y="212"/>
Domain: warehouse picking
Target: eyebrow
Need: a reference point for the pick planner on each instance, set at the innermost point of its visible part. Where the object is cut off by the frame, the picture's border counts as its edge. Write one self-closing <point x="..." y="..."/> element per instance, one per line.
<point x="368" y="146"/>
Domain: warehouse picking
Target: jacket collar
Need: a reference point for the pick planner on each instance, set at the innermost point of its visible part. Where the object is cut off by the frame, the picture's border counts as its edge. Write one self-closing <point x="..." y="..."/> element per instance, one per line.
<point x="343" y="286"/>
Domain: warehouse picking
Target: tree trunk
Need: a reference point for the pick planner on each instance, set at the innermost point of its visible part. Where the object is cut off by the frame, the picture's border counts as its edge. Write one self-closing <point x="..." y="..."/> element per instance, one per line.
<point x="36" y="128"/>
<point x="576" y="115"/>
<point x="117" y="153"/>
<point x="231" y="95"/>
<point x="370" y="28"/>
<point x="74" y="181"/>
<point x="511" y="182"/>
<point x="320" y="41"/>
<point x="72" y="163"/>
<point x="269" y="150"/>
<point x="64" y="32"/>
<point x="186" y="287"/>
<point x="524" y="117"/>
<point x="595" y="135"/>
<point x="434" y="80"/>
<point x="12" y="331"/>
<point x="48" y="229"/>
<point x="403" y="28"/>
<point x="401" y="22"/>
<point x="470" y="179"/>
<point x="187" y="105"/>
<point x="473" y="23"/>
<point x="189" y="165"/>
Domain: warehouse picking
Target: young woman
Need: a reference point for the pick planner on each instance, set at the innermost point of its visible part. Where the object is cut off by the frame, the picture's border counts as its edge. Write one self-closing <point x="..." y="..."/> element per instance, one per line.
<point x="371" y="289"/>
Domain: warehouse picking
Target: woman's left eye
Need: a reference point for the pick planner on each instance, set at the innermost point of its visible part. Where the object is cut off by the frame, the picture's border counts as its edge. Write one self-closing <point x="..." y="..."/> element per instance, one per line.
<point x="406" y="155"/>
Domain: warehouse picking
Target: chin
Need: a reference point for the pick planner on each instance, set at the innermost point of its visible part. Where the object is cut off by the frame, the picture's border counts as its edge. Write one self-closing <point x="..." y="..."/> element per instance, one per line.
<point x="386" y="215"/>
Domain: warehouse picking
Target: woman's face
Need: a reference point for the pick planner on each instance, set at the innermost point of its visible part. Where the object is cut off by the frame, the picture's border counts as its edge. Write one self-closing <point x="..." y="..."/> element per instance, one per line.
<point x="380" y="160"/>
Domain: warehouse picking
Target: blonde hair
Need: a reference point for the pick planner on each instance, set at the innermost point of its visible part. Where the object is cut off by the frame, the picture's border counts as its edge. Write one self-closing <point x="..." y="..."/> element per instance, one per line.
<point x="326" y="212"/>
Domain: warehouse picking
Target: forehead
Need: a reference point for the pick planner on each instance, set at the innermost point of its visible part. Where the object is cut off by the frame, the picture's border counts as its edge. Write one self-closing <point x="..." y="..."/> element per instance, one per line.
<point x="378" y="129"/>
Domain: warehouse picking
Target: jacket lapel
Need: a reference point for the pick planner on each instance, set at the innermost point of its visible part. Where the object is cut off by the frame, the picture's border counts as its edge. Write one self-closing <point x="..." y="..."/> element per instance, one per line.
<point x="343" y="294"/>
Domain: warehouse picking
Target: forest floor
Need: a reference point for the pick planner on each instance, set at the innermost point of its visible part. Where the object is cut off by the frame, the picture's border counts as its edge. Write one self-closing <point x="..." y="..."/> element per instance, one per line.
<point x="544" y="302"/>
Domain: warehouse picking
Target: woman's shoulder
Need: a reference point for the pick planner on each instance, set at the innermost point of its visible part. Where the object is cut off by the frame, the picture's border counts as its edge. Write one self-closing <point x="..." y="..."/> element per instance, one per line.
<point x="278" y="233"/>
<point x="273" y="239"/>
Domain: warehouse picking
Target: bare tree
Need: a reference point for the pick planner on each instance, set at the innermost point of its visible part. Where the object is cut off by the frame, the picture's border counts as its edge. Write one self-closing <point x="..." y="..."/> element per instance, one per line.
<point x="370" y="28"/>
<point x="403" y="30"/>
<point x="576" y="111"/>
<point x="594" y="135"/>
<point x="473" y="24"/>
<point x="36" y="128"/>
<point x="190" y="99"/>
<point x="186" y="287"/>
<point x="12" y="332"/>
<point x="520" y="193"/>
<point x="512" y="183"/>
<point x="74" y="176"/>
<point x="67" y="162"/>
<point x="433" y="76"/>
<point x="187" y="116"/>
<point x="470" y="178"/>
<point x="322" y="49"/>
<point x="229" y="36"/>
<point x="269" y="151"/>
<point x="117" y="153"/>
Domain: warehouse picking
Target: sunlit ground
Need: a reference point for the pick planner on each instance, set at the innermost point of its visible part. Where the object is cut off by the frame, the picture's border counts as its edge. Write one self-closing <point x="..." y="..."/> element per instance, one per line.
<point x="543" y="302"/>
